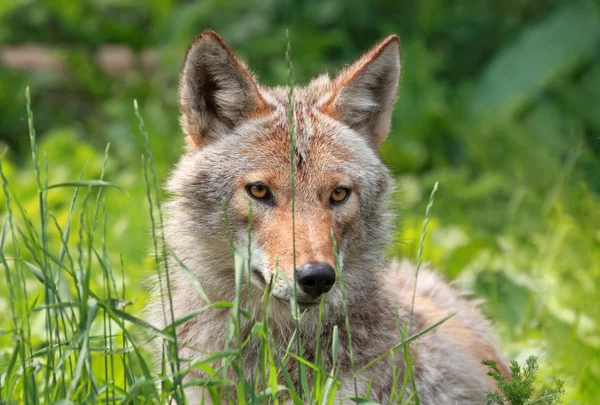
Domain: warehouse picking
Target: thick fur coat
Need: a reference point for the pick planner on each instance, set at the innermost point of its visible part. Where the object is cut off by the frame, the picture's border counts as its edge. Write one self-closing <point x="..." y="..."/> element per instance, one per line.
<point x="238" y="136"/>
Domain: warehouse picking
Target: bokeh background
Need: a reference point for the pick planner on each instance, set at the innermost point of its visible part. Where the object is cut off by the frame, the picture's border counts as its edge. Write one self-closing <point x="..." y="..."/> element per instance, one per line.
<point x="499" y="102"/>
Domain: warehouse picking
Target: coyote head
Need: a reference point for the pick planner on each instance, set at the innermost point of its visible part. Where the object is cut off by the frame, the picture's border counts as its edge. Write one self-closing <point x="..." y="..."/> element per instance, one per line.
<point x="239" y="163"/>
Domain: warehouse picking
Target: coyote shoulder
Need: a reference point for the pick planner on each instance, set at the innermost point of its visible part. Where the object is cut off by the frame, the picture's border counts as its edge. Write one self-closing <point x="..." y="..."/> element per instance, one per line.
<point x="238" y="137"/>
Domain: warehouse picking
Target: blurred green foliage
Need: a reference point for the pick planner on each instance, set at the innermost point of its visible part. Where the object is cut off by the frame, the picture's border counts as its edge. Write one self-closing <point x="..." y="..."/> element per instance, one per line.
<point x="499" y="102"/>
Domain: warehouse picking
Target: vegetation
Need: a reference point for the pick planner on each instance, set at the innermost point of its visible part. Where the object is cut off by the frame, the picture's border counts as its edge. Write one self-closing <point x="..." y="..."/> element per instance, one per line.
<point x="499" y="102"/>
<point x="518" y="389"/>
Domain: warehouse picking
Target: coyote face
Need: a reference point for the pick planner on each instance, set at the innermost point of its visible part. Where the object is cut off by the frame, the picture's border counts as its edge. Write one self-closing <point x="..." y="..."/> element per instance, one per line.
<point x="240" y="157"/>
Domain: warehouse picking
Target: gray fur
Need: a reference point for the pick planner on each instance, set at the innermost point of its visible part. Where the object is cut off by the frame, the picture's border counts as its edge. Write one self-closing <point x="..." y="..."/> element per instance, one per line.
<point x="379" y="292"/>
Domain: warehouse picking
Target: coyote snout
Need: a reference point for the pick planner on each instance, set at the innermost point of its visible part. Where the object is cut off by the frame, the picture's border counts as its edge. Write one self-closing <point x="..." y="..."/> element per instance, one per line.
<point x="307" y="257"/>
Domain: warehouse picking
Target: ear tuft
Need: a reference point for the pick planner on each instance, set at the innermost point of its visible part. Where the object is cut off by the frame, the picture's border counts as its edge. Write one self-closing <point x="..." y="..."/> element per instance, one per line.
<point x="216" y="90"/>
<point x="363" y="95"/>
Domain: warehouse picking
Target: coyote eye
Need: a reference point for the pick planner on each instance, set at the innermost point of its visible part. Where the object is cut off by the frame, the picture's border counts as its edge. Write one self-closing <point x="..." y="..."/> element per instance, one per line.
<point x="259" y="191"/>
<point x="339" y="195"/>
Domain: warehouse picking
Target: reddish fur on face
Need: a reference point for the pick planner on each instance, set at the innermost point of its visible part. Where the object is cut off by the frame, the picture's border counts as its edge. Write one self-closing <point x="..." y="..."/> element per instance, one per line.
<point x="314" y="218"/>
<point x="312" y="239"/>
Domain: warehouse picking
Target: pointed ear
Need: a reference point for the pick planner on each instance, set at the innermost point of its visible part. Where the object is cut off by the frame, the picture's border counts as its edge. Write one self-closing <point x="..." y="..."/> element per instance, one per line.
<point x="216" y="91"/>
<point x="363" y="95"/>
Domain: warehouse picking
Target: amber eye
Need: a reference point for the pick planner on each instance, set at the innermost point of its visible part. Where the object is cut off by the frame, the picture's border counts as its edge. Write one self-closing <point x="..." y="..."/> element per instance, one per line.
<point x="339" y="195"/>
<point x="258" y="191"/>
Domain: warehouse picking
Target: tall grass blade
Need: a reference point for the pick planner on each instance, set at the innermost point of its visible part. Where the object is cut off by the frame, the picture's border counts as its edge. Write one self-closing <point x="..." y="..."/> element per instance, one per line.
<point x="179" y="396"/>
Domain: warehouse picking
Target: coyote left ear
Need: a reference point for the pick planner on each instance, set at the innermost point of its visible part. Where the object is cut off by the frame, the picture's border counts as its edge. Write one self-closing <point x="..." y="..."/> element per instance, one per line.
<point x="363" y="95"/>
<point x="216" y="91"/>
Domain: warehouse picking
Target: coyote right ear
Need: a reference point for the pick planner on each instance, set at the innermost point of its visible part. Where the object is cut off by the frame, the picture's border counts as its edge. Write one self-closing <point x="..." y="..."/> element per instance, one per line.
<point x="216" y="91"/>
<point x="363" y="95"/>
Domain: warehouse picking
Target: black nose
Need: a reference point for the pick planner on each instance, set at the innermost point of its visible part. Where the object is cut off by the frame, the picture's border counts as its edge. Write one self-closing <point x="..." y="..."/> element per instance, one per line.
<point x="315" y="278"/>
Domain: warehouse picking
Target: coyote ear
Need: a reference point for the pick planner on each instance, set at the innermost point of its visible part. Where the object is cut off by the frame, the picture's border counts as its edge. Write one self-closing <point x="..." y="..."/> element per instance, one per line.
<point x="363" y="95"/>
<point x="216" y="91"/>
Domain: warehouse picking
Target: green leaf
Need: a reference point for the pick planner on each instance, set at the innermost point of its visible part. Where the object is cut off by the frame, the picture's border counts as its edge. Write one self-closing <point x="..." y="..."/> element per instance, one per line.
<point x="365" y="401"/>
<point x="549" y="48"/>
<point x="86" y="183"/>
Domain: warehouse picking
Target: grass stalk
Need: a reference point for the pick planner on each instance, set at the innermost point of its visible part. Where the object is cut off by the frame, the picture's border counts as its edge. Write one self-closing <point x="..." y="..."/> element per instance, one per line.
<point x="173" y="348"/>
<point x="340" y="277"/>
<point x="292" y="138"/>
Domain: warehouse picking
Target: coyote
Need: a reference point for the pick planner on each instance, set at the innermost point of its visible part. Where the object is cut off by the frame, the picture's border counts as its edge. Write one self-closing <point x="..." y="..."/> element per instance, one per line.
<point x="238" y="168"/>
